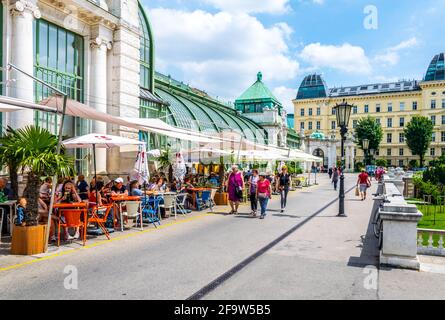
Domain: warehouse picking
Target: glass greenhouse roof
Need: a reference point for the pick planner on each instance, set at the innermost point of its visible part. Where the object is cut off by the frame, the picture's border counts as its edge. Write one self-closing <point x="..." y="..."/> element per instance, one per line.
<point x="436" y="69"/>
<point x="194" y="115"/>
<point x="312" y="87"/>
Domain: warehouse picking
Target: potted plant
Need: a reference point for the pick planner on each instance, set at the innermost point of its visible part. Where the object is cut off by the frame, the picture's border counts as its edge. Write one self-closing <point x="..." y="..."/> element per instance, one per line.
<point x="9" y="159"/>
<point x="36" y="148"/>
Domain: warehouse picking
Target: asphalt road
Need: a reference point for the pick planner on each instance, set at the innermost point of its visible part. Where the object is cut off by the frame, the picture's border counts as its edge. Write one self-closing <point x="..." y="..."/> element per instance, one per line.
<point x="325" y="258"/>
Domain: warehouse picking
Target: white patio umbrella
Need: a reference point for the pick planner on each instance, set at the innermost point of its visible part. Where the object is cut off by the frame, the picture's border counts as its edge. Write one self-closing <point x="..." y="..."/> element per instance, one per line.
<point x="95" y="140"/>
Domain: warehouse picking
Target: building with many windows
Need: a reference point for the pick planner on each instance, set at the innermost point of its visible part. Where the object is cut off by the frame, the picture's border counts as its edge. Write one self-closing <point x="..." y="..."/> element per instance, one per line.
<point x="392" y="104"/>
<point x="101" y="52"/>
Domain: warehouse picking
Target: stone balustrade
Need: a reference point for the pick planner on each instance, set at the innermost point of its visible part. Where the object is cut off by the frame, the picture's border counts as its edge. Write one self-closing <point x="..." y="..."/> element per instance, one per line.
<point x="432" y="248"/>
<point x="400" y="221"/>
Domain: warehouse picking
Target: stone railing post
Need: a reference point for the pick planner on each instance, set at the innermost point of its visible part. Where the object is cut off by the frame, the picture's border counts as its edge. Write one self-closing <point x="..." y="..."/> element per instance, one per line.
<point x="399" y="231"/>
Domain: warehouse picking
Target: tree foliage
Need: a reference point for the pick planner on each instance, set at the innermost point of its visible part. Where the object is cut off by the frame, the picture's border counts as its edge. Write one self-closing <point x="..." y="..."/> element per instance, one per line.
<point x="418" y="135"/>
<point x="368" y="128"/>
<point x="36" y="150"/>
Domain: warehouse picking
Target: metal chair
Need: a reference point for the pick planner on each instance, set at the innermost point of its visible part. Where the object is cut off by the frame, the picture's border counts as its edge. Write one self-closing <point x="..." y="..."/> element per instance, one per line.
<point x="203" y="201"/>
<point x="169" y="202"/>
<point x="100" y="215"/>
<point x="150" y="210"/>
<point x="181" y="200"/>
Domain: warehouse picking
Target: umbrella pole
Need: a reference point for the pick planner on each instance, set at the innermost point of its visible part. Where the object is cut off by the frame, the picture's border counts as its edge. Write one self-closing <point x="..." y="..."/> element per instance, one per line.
<point x="95" y="175"/>
<point x="54" y="185"/>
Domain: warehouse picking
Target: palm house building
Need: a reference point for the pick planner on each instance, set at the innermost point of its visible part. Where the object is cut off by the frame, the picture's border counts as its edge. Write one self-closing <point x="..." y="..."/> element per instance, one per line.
<point x="101" y="52"/>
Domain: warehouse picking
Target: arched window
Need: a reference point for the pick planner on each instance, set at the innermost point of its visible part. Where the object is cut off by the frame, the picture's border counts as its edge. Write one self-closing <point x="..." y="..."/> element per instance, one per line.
<point x="146" y="52"/>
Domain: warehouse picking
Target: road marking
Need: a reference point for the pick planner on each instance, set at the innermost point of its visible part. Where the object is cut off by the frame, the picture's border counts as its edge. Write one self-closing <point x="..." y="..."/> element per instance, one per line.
<point x="103" y="242"/>
<point x="227" y="275"/>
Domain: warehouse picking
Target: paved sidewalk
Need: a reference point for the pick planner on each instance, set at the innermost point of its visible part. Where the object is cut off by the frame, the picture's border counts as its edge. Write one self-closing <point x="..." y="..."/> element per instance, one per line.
<point x="325" y="259"/>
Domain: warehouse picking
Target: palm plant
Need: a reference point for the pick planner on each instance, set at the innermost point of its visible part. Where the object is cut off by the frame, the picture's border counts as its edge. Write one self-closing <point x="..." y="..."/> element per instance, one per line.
<point x="9" y="159"/>
<point x="36" y="149"/>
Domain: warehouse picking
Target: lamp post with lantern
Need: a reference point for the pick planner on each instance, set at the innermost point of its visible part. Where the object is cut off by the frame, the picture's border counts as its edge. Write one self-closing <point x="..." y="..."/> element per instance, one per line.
<point x="365" y="145"/>
<point x="343" y="113"/>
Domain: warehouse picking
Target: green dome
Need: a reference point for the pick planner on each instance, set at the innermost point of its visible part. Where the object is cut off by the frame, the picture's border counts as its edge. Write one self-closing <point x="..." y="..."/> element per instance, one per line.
<point x="318" y="136"/>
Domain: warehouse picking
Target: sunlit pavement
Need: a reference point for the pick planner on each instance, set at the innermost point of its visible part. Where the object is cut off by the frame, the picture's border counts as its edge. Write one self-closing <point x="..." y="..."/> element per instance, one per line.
<point x="326" y="258"/>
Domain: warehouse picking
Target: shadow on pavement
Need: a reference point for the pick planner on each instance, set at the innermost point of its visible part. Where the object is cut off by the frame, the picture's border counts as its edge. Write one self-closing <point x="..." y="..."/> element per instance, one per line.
<point x="370" y="253"/>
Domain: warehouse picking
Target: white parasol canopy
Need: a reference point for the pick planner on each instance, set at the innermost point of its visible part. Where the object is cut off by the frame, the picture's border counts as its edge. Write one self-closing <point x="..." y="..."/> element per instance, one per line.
<point x="100" y="141"/>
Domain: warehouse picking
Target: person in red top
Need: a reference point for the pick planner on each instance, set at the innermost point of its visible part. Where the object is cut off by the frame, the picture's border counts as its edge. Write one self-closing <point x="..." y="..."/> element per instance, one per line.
<point x="264" y="193"/>
<point x="364" y="182"/>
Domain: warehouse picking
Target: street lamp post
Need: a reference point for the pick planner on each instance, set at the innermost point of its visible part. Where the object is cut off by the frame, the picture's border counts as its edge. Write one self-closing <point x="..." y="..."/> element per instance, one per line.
<point x="343" y="112"/>
<point x="365" y="145"/>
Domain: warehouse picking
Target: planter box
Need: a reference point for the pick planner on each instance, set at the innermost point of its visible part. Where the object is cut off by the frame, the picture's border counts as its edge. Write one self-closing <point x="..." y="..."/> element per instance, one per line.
<point x="28" y="240"/>
<point x="221" y="199"/>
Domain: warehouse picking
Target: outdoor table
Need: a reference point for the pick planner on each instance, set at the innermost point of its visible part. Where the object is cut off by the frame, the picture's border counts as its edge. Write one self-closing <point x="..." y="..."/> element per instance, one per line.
<point x="117" y="203"/>
<point x="195" y="194"/>
<point x="12" y="204"/>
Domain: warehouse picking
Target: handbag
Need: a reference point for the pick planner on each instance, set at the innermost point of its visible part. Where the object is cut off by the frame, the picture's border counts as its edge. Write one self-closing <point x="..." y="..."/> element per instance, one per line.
<point x="239" y="191"/>
<point x="262" y="196"/>
<point x="357" y="192"/>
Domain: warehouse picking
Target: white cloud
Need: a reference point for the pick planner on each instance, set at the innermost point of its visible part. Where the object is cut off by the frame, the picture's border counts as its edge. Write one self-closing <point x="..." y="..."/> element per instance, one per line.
<point x="251" y="6"/>
<point x="285" y="96"/>
<point x="221" y="53"/>
<point x="346" y="58"/>
<point x="391" y="56"/>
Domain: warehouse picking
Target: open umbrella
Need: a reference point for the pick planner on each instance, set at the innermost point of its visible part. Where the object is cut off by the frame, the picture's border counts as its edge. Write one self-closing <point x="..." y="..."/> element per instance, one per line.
<point x="95" y="140"/>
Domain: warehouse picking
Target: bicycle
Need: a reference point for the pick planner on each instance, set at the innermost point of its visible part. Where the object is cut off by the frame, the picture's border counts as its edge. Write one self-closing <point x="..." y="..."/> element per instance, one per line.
<point x="376" y="220"/>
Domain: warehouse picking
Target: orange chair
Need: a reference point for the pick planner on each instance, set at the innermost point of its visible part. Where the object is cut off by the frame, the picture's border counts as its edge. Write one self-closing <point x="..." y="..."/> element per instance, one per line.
<point x="99" y="215"/>
<point x="73" y="220"/>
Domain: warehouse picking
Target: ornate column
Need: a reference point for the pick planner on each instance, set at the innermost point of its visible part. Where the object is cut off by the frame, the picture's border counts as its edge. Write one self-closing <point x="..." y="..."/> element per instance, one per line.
<point x="98" y="92"/>
<point x="23" y="14"/>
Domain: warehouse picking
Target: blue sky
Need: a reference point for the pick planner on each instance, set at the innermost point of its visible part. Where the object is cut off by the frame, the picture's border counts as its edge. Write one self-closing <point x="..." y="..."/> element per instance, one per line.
<point x="220" y="45"/>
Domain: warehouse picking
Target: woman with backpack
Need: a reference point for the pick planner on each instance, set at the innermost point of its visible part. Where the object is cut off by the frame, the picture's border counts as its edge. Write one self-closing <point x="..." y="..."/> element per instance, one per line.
<point x="253" y="181"/>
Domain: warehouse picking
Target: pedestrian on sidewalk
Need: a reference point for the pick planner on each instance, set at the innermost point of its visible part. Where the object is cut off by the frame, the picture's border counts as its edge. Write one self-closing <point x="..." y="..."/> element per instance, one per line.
<point x="235" y="187"/>
<point x="335" y="177"/>
<point x="330" y="171"/>
<point x="264" y="193"/>
<point x="284" y="181"/>
<point x="252" y="182"/>
<point x="364" y="182"/>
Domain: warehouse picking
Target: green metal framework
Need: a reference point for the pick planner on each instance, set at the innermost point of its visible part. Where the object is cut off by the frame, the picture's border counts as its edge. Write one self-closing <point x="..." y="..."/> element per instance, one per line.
<point x="146" y="51"/>
<point x="59" y="61"/>
<point x="1" y="63"/>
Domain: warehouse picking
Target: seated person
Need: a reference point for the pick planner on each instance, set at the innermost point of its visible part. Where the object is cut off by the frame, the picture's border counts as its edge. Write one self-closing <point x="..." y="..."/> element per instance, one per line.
<point x="69" y="195"/>
<point x="45" y="190"/>
<point x="160" y="185"/>
<point x="134" y="189"/>
<point x="186" y="186"/>
<point x="82" y="188"/>
<point x="119" y="188"/>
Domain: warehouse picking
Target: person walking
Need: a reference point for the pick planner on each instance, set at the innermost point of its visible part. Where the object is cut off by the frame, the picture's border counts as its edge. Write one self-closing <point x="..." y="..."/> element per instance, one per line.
<point x="335" y="177"/>
<point x="235" y="187"/>
<point x="284" y="181"/>
<point x="252" y="182"/>
<point x="364" y="182"/>
<point x="264" y="193"/>
<point x="330" y="171"/>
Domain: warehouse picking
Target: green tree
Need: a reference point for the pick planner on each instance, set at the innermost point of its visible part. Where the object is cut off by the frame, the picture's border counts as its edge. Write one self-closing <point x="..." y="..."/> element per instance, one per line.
<point x="418" y="135"/>
<point x="36" y="149"/>
<point x="368" y="128"/>
<point x="9" y="159"/>
<point x="381" y="163"/>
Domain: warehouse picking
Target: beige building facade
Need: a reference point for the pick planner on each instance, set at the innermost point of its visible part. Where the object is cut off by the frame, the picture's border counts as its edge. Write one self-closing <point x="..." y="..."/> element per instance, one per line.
<point x="392" y="104"/>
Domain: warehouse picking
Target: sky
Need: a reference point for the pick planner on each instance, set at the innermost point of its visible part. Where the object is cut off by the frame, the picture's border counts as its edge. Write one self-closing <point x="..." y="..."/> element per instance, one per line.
<point x="219" y="46"/>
